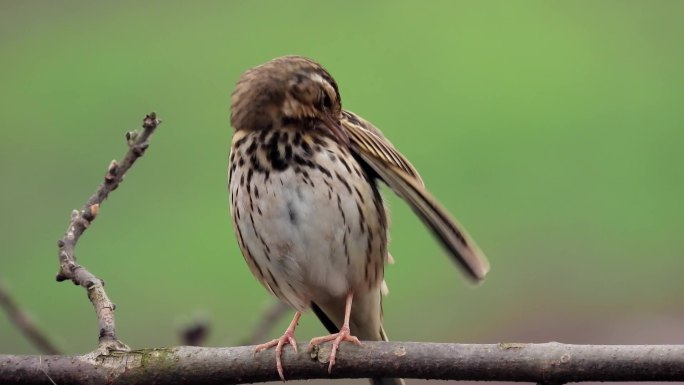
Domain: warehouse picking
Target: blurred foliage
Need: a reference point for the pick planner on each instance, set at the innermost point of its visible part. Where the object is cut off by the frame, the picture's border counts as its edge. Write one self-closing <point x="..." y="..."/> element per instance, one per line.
<point x="552" y="130"/>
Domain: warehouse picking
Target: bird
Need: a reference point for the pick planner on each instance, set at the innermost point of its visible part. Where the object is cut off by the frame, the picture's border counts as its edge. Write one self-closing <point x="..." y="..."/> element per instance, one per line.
<point x="307" y="211"/>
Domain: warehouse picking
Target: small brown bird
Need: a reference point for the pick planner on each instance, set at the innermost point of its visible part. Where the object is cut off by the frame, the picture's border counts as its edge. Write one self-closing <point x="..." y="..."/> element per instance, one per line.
<point x="307" y="212"/>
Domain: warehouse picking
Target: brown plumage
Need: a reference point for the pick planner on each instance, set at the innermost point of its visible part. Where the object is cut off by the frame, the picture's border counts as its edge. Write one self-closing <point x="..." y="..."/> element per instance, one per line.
<point x="307" y="211"/>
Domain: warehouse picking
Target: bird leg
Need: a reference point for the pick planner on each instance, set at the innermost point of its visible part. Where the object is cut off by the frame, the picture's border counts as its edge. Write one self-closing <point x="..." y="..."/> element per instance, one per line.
<point x="279" y="343"/>
<point x="343" y="335"/>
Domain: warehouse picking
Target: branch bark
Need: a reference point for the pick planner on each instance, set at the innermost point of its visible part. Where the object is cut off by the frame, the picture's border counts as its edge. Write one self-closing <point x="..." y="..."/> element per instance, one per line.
<point x="543" y="363"/>
<point x="81" y="220"/>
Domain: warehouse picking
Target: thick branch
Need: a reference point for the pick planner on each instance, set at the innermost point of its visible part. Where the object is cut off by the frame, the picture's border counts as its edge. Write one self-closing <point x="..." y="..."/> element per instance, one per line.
<point x="24" y="323"/>
<point x="81" y="219"/>
<point x="547" y="363"/>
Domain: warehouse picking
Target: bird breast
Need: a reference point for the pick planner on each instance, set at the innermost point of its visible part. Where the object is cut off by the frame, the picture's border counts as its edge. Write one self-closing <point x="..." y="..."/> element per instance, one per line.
<point x="310" y="222"/>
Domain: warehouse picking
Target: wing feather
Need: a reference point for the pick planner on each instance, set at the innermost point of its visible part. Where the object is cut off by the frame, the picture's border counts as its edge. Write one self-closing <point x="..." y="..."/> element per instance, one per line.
<point x="396" y="171"/>
<point x="369" y="139"/>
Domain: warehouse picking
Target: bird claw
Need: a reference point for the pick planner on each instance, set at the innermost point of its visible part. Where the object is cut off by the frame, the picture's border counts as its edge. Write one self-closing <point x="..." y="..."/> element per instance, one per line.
<point x="336" y="338"/>
<point x="279" y="343"/>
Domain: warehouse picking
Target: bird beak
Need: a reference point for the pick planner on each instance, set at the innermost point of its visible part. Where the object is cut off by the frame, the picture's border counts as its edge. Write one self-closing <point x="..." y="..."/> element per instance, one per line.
<point x="336" y="129"/>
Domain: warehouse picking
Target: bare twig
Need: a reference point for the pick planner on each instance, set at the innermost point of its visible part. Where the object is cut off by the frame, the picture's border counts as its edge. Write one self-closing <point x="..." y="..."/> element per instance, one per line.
<point x="81" y="219"/>
<point x="546" y="363"/>
<point x="24" y="323"/>
<point x="269" y="319"/>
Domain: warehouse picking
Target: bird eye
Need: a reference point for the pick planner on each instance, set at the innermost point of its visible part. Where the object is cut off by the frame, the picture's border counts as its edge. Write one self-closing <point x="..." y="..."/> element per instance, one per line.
<point x="327" y="102"/>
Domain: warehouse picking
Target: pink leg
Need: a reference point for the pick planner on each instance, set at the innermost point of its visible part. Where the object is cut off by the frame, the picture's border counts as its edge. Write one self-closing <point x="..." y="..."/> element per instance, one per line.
<point x="279" y="343"/>
<point x="343" y="335"/>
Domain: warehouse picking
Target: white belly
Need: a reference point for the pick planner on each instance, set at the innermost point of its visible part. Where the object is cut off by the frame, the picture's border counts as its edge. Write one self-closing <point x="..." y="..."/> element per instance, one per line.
<point x="308" y="237"/>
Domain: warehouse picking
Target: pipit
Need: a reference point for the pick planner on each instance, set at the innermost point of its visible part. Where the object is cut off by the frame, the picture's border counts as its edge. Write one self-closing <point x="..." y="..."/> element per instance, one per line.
<point x="307" y="212"/>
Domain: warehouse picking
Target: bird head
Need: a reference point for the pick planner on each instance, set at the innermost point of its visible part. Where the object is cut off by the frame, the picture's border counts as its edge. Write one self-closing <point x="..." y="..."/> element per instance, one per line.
<point x="287" y="90"/>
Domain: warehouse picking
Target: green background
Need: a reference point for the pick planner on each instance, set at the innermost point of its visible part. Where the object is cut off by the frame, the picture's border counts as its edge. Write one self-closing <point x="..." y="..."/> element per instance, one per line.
<point x="552" y="130"/>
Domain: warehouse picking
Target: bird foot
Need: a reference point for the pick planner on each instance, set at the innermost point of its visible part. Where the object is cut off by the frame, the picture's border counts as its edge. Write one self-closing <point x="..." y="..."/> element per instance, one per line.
<point x="279" y="343"/>
<point x="336" y="338"/>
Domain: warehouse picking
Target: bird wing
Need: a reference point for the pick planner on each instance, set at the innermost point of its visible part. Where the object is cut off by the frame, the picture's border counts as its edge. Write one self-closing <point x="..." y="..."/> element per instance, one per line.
<point x="368" y="143"/>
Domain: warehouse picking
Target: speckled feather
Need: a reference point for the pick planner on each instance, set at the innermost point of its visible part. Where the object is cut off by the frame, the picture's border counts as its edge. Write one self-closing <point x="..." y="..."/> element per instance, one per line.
<point x="310" y="221"/>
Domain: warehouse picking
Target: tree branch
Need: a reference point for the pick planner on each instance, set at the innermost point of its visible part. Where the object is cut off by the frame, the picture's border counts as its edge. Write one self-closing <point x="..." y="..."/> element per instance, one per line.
<point x="81" y="219"/>
<point x="24" y="323"/>
<point x="543" y="363"/>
